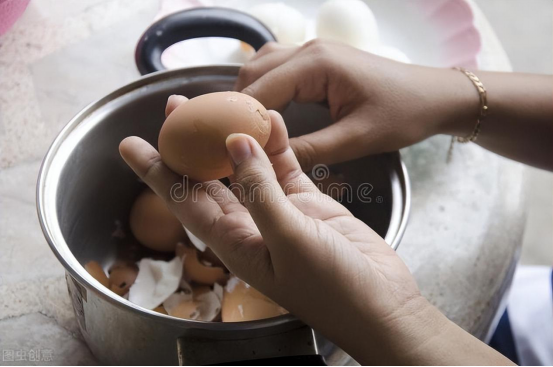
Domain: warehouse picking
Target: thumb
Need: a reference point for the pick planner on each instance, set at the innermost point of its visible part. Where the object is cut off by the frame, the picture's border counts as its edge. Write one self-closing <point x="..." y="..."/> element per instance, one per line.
<point x="256" y="185"/>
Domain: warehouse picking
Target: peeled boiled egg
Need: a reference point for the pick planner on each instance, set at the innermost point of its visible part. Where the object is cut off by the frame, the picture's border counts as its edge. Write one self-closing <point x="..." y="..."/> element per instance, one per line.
<point x="286" y="23"/>
<point x="241" y="302"/>
<point x="153" y="224"/>
<point x="192" y="139"/>
<point x="349" y="21"/>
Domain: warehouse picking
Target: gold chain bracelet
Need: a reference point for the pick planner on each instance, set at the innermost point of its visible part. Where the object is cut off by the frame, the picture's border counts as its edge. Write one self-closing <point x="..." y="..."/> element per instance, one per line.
<point x="483" y="95"/>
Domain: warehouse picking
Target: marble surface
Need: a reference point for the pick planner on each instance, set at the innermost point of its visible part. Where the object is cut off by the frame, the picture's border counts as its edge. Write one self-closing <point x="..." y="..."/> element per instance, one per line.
<point x="62" y="55"/>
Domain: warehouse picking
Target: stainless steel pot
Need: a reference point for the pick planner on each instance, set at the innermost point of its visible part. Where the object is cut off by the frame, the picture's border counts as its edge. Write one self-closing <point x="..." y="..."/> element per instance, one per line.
<point x="85" y="191"/>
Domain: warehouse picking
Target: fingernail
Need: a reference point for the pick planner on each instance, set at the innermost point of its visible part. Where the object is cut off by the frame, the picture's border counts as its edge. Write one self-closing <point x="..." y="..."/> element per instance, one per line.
<point x="239" y="148"/>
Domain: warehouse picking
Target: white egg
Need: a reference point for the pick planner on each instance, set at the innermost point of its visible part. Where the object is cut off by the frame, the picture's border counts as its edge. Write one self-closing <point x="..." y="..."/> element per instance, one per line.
<point x="349" y="21"/>
<point x="392" y="53"/>
<point x="286" y="23"/>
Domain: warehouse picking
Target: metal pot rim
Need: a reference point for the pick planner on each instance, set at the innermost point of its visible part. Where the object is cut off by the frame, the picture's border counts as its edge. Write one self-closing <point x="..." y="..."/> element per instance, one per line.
<point x="50" y="225"/>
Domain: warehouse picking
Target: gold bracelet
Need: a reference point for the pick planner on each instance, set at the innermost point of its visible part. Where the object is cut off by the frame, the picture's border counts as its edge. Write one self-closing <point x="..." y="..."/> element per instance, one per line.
<point x="483" y="105"/>
<point x="483" y="95"/>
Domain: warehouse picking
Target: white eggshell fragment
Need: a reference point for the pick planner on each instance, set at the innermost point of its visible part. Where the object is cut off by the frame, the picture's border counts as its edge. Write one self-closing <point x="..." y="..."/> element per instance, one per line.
<point x="176" y="299"/>
<point x="348" y="21"/>
<point x="199" y="244"/>
<point x="218" y="290"/>
<point x="286" y="23"/>
<point x="209" y="305"/>
<point x="155" y="282"/>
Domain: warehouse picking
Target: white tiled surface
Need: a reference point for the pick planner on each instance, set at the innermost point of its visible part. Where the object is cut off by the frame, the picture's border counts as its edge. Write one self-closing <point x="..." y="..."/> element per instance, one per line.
<point x="63" y="54"/>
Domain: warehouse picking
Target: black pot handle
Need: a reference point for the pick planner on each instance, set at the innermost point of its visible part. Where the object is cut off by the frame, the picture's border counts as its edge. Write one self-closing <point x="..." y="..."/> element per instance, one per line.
<point x="197" y="23"/>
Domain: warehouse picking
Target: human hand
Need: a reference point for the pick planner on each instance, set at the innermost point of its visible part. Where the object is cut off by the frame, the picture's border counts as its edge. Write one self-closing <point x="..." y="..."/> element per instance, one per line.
<point x="293" y="243"/>
<point x="378" y="105"/>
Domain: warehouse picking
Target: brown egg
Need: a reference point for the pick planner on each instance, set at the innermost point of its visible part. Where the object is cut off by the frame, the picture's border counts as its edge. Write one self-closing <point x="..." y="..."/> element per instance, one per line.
<point x="121" y="278"/>
<point x="192" y="139"/>
<point x="153" y="224"/>
<point x="197" y="271"/>
<point x="95" y="269"/>
<point x="242" y="302"/>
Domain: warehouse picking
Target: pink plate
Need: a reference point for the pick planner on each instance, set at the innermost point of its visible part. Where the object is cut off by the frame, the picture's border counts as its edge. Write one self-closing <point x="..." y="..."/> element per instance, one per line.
<point x="10" y="11"/>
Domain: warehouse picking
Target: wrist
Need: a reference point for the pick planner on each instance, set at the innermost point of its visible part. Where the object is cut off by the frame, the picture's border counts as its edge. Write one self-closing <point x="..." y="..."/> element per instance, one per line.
<point x="415" y="331"/>
<point x="460" y="101"/>
<point x="401" y="337"/>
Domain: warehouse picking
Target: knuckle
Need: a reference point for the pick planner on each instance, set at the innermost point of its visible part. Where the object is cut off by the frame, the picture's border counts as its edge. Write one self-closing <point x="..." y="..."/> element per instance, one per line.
<point x="317" y="46"/>
<point x="269" y="47"/>
<point x="249" y="177"/>
<point x="246" y="73"/>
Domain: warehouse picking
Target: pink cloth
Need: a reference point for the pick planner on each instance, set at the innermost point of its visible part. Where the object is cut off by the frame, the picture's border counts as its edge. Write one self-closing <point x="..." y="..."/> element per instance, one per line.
<point x="10" y="11"/>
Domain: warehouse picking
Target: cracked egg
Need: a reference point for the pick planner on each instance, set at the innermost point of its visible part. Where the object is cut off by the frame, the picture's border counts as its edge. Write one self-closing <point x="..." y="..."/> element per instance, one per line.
<point x="192" y="139"/>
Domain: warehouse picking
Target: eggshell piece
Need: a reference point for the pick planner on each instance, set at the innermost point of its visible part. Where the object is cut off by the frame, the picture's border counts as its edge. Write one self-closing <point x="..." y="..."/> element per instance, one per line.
<point x="160" y="309"/>
<point x="204" y="305"/>
<point x="242" y="302"/>
<point x="192" y="139"/>
<point x="155" y="282"/>
<point x="198" y="272"/>
<point x="153" y="224"/>
<point x="208" y="256"/>
<point x="186" y="310"/>
<point x="199" y="244"/>
<point x="209" y="305"/>
<point x="121" y="278"/>
<point x="176" y="299"/>
<point x="200" y="290"/>
<point x="97" y="272"/>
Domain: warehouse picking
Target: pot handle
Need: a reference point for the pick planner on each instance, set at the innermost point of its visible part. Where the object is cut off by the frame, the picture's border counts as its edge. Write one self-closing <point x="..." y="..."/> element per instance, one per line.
<point x="197" y="23"/>
<point x="294" y="347"/>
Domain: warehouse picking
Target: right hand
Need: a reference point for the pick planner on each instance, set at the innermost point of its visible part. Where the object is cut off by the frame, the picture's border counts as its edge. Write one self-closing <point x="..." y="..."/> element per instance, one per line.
<point x="378" y="105"/>
<point x="309" y="253"/>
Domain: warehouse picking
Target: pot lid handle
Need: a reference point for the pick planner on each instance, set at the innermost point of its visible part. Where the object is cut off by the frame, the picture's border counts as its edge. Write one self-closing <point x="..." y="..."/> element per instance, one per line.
<point x="197" y="23"/>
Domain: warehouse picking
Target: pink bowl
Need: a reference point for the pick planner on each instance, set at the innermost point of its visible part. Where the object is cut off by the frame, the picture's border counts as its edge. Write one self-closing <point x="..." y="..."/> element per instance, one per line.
<point x="10" y="11"/>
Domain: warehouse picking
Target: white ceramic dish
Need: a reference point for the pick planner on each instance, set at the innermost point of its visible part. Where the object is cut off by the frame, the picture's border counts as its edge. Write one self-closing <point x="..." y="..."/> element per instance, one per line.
<point x="430" y="32"/>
